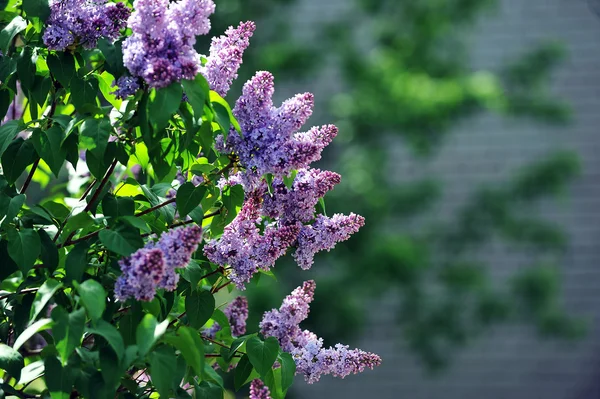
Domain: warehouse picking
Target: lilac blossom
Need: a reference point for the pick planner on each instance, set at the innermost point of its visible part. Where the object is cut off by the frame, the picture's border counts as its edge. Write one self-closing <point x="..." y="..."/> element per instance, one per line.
<point x="225" y="57"/>
<point x="312" y="360"/>
<point x="161" y="48"/>
<point x="237" y="314"/>
<point x="83" y="22"/>
<point x="258" y="390"/>
<point x="154" y="266"/>
<point x="127" y="86"/>
<point x="323" y="235"/>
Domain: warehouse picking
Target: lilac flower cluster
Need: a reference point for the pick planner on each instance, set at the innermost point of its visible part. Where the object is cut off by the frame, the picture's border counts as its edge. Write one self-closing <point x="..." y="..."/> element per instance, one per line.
<point x="258" y="390"/>
<point x="83" y="22"/>
<point x="225" y="57"/>
<point x="154" y="266"/>
<point x="271" y="142"/>
<point x="237" y="314"/>
<point x="161" y="48"/>
<point x="311" y="358"/>
<point x="126" y="86"/>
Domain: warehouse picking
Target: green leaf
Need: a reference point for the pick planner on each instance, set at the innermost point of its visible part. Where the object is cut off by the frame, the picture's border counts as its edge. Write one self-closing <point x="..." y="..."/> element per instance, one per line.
<point x="164" y="104"/>
<point x="11" y="361"/>
<point x="42" y="296"/>
<point x="14" y="207"/>
<point x="8" y="132"/>
<point x="95" y="134"/>
<point x="111" y="335"/>
<point x="83" y="93"/>
<point x="223" y="112"/>
<point x="208" y="390"/>
<point x="36" y="8"/>
<point x="235" y="345"/>
<point x="10" y="31"/>
<point x="62" y="67"/>
<point x="122" y="241"/>
<point x="76" y="262"/>
<point x="199" y="306"/>
<point x="111" y="372"/>
<point x="26" y="69"/>
<point x="48" y="146"/>
<point x="188" y="198"/>
<point x="148" y="332"/>
<point x="197" y="91"/>
<point x="118" y="206"/>
<point x="189" y="343"/>
<point x="288" y="370"/>
<point x="113" y="54"/>
<point x="40" y="325"/>
<point x="24" y="247"/>
<point x="49" y="251"/>
<point x="5" y="101"/>
<point x="242" y="372"/>
<point x="262" y="354"/>
<point x="59" y="379"/>
<point x="19" y="154"/>
<point x="93" y="298"/>
<point x="273" y="381"/>
<point x="32" y="371"/>
<point x="137" y="222"/>
<point x="163" y="364"/>
<point x="67" y="331"/>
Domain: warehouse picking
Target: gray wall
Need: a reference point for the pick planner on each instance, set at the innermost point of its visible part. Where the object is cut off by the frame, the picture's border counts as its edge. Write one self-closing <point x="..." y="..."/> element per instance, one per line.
<point x="511" y="362"/>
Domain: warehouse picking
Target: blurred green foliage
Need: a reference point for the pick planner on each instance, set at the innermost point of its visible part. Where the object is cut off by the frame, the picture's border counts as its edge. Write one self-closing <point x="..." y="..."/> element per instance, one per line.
<point x="414" y="83"/>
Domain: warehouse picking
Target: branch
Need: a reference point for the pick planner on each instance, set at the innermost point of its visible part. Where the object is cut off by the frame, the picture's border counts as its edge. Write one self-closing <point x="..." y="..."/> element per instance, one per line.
<point x="100" y="188"/>
<point x="30" y="175"/>
<point x="155" y="207"/>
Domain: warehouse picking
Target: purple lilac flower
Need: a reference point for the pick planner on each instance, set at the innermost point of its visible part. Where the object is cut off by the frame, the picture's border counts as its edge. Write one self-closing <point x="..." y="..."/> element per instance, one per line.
<point x="312" y="360"/>
<point x="154" y="266"/>
<point x="127" y="86"/>
<point x="225" y="57"/>
<point x="258" y="390"/>
<point x="74" y="22"/>
<point x="298" y="203"/>
<point x="237" y="314"/>
<point x="161" y="48"/>
<point x="323" y="235"/>
<point x="142" y="273"/>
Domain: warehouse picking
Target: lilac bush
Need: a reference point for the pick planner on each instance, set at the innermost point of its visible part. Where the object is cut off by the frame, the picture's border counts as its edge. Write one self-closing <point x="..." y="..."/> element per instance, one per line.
<point x="175" y="203"/>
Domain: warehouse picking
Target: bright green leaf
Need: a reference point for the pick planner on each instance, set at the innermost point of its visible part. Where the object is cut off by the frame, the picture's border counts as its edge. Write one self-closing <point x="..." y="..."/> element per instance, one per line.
<point x="11" y="361"/>
<point x="67" y="331"/>
<point x="148" y="332"/>
<point x="42" y="296"/>
<point x="24" y="247"/>
<point x="262" y="355"/>
<point x="93" y="298"/>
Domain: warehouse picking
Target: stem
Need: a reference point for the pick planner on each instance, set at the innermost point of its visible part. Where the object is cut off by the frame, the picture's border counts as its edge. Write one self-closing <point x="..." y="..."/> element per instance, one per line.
<point x="100" y="188"/>
<point x="167" y="202"/>
<point x="214" y="291"/>
<point x="30" y="175"/>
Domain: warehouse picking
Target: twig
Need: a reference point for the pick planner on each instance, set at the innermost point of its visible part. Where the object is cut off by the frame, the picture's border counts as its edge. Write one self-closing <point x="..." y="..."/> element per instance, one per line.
<point x="30" y="176"/>
<point x="155" y="207"/>
<point x="214" y="291"/>
<point x="100" y="188"/>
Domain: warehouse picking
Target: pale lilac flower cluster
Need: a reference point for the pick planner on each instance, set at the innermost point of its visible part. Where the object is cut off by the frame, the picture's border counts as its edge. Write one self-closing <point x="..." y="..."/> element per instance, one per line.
<point x="126" y="86"/>
<point x="237" y="314"/>
<point x="258" y="390"/>
<point x="244" y="248"/>
<point x="161" y="49"/>
<point x="312" y="360"/>
<point x="154" y="266"/>
<point x="225" y="57"/>
<point x="83" y="22"/>
<point x="270" y="142"/>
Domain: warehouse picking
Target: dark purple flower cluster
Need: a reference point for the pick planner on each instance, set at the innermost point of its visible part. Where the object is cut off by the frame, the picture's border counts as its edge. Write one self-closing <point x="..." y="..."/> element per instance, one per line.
<point x="237" y="314"/>
<point x="271" y="142"/>
<point x="258" y="390"/>
<point x="312" y="360"/>
<point x="83" y="22"/>
<point x="126" y="86"/>
<point x="225" y="57"/>
<point x="154" y="266"/>
<point x="161" y="48"/>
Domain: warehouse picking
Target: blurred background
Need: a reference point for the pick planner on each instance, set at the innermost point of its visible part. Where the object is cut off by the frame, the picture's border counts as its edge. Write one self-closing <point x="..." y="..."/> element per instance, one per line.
<point x="469" y="141"/>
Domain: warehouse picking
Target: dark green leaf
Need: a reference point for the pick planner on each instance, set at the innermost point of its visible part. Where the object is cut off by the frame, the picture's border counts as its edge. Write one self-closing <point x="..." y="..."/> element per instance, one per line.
<point x="24" y="247"/>
<point x="93" y="297"/>
<point x="111" y="335"/>
<point x="10" y="31"/>
<point x="59" y="379"/>
<point x="16" y="158"/>
<point x="262" y="354"/>
<point x="83" y="93"/>
<point x="123" y="241"/>
<point x="42" y="296"/>
<point x="94" y="134"/>
<point x="208" y="390"/>
<point x="8" y="265"/>
<point x="26" y="68"/>
<point x="49" y="251"/>
<point x="62" y="67"/>
<point x="188" y="198"/>
<point x="8" y="132"/>
<point x="117" y="206"/>
<point x="41" y="89"/>
<point x="163" y="364"/>
<point x="288" y="370"/>
<point x="197" y="91"/>
<point x="199" y="306"/>
<point x="164" y="104"/>
<point x="242" y="372"/>
<point x="36" y="8"/>
<point x="190" y="345"/>
<point x="148" y="332"/>
<point x="5" y="101"/>
<point x="113" y="54"/>
<point x="11" y="361"/>
<point x="14" y="207"/>
<point x="67" y="331"/>
<point x="48" y="146"/>
<point x="76" y="262"/>
<point x="111" y="372"/>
